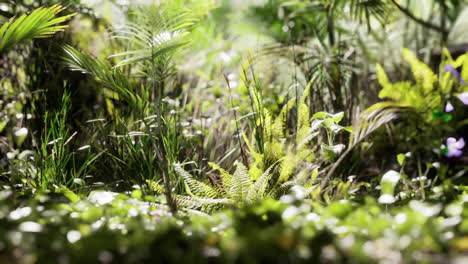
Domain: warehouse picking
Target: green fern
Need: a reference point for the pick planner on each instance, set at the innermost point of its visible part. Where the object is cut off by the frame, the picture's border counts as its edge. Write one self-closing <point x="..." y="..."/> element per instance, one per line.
<point x="423" y="95"/>
<point x="285" y="163"/>
<point x="237" y="189"/>
<point x="40" y="23"/>
<point x="428" y="92"/>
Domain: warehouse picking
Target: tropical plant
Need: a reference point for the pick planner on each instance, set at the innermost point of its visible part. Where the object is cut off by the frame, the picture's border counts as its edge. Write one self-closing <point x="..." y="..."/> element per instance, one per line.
<point x="151" y="39"/>
<point x="278" y="162"/>
<point x="40" y="23"/>
<point x="239" y="188"/>
<point x="429" y="92"/>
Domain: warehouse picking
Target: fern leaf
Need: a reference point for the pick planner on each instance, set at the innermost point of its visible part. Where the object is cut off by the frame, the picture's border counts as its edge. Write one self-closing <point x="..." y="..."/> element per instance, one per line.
<point x="282" y="189"/>
<point x="155" y="186"/>
<point x="195" y="187"/>
<point x="258" y="189"/>
<point x="202" y="203"/>
<point x="280" y="122"/>
<point x="241" y="183"/>
<point x="464" y="72"/>
<point x="423" y="75"/>
<point x="226" y="177"/>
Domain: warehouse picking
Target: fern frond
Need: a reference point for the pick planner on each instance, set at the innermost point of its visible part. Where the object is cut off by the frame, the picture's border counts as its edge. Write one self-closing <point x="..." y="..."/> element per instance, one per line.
<point x="241" y="183"/>
<point x="226" y="177"/>
<point x="195" y="187"/>
<point x="423" y="75"/>
<point x="40" y="23"/>
<point x="202" y="203"/>
<point x="464" y="72"/>
<point x="258" y="190"/>
<point x="280" y="121"/>
<point x="420" y="96"/>
<point x="303" y="116"/>
<point x="155" y="186"/>
<point x="282" y="189"/>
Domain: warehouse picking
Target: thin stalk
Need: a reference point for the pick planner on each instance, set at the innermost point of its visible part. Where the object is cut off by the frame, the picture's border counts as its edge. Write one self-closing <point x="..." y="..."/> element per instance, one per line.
<point x="160" y="148"/>
<point x="330" y="25"/>
<point x="443" y="23"/>
<point x="421" y="183"/>
<point x="422" y="22"/>
<point x="244" y="155"/>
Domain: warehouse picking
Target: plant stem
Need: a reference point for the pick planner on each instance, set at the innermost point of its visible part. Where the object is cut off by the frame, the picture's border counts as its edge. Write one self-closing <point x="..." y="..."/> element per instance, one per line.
<point x="244" y="155"/>
<point x="330" y="25"/>
<point x="418" y="20"/>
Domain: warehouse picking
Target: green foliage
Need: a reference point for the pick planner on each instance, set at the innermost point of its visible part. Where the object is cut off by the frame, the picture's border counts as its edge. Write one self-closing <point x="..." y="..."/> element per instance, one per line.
<point x="235" y="189"/>
<point x="40" y="23"/>
<point x="423" y="96"/>
<point x="297" y="16"/>
<point x="429" y="91"/>
<point x="112" y="79"/>
<point x="232" y="162"/>
<point x="56" y="162"/>
<point x="156" y="34"/>
<point x="271" y="231"/>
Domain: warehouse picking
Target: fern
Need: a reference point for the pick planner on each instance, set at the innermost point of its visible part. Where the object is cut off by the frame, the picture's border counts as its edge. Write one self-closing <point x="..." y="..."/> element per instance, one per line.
<point x="241" y="183"/>
<point x="285" y="162"/>
<point x="40" y="23"/>
<point x="193" y="186"/>
<point x="237" y="189"/>
<point x="423" y="95"/>
<point x="429" y="91"/>
<point x="202" y="203"/>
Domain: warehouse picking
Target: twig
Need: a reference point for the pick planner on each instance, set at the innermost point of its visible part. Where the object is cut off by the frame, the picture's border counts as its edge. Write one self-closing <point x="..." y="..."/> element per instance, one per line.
<point x="418" y="20"/>
<point x="244" y="155"/>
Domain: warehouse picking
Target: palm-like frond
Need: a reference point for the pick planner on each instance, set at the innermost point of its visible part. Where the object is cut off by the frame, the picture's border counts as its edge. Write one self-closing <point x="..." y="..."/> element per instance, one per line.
<point x="41" y="23"/>
<point x="159" y="34"/>
<point x="112" y="79"/>
<point x="364" y="10"/>
<point x="373" y="118"/>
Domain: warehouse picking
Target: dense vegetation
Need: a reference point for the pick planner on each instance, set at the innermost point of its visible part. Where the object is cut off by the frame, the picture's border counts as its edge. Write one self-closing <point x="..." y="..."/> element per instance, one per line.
<point x="232" y="131"/>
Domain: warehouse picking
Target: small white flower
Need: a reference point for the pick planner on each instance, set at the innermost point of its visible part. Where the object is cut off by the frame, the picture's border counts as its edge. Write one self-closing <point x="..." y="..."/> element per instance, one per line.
<point x="21" y="132"/>
<point x="386" y="199"/>
<point x="73" y="236"/>
<point x="391" y="177"/>
<point x="31" y="227"/>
